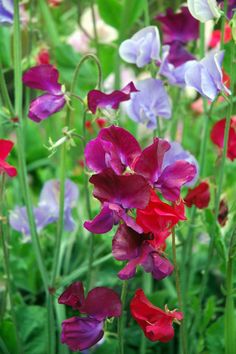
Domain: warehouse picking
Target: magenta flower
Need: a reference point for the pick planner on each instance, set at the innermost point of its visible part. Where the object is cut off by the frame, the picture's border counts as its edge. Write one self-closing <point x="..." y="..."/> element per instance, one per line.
<point x="80" y="333"/>
<point x="113" y="148"/>
<point x="117" y="194"/>
<point x="178" y="55"/>
<point x="128" y="245"/>
<point x="180" y="26"/>
<point x="167" y="176"/>
<point x="45" y="78"/>
<point x="98" y="99"/>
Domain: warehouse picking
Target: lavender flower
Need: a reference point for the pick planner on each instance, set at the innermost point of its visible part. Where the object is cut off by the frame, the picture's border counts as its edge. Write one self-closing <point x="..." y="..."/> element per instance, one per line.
<point x="150" y="102"/>
<point x="204" y="10"/>
<point x="142" y="48"/>
<point x="6" y="11"/>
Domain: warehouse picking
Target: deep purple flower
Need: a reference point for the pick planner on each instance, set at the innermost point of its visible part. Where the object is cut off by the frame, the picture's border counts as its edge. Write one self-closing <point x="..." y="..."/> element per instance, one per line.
<point x="128" y="245"/>
<point x="178" y="55"/>
<point x="142" y="47"/>
<point x="45" y="78"/>
<point x="180" y="26"/>
<point x="206" y="75"/>
<point x="117" y="194"/>
<point x="98" y="99"/>
<point x="151" y="102"/>
<point x="168" y="176"/>
<point x="114" y="147"/>
<point x="47" y="210"/>
<point x="101" y="303"/>
<point x="231" y="7"/>
<point x="6" y="11"/>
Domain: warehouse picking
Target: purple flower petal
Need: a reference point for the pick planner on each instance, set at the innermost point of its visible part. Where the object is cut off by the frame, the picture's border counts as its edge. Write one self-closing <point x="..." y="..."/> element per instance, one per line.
<point x="129" y="269"/>
<point x="126" y="244"/>
<point x="128" y="191"/>
<point x="44" y="106"/>
<point x="102" y="303"/>
<point x="43" y="77"/>
<point x="178" y="55"/>
<point x="174" y="177"/>
<point x="149" y="103"/>
<point x="159" y="266"/>
<point x="73" y="296"/>
<point x="142" y="48"/>
<point x="149" y="163"/>
<point x="6" y="11"/>
<point x="98" y="99"/>
<point x="81" y="333"/>
<point x="180" y="26"/>
<point x="103" y="222"/>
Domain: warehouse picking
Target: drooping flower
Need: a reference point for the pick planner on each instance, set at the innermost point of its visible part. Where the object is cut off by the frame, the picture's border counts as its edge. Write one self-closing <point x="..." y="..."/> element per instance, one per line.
<point x="6" y="11"/>
<point x="5" y="149"/>
<point x="47" y="211"/>
<point x="198" y="196"/>
<point x="98" y="99"/>
<point x="128" y="245"/>
<point x="117" y="195"/>
<point x="45" y="78"/>
<point x="217" y="136"/>
<point x="80" y="333"/>
<point x="142" y="47"/>
<point x="167" y="174"/>
<point x="204" y="10"/>
<point x="149" y="103"/>
<point x="180" y="26"/>
<point x="113" y="148"/>
<point x="206" y="76"/>
<point x="156" y="324"/>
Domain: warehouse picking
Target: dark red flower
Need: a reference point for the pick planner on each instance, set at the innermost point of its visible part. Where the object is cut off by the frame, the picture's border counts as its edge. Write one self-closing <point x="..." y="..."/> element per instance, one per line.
<point x="5" y="149"/>
<point x="101" y="122"/>
<point x="198" y="196"/>
<point x="223" y="213"/>
<point x="156" y="324"/>
<point x="217" y="136"/>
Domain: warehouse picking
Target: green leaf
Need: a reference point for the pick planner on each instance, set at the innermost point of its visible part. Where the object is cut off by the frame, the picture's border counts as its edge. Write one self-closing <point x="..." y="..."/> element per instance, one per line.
<point x="215" y="337"/>
<point x="110" y="11"/>
<point x="8" y="336"/>
<point x="208" y="313"/>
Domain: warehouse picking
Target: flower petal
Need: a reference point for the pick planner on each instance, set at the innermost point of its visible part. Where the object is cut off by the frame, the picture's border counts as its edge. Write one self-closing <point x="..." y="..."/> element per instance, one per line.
<point x="73" y="296"/>
<point x="44" y="106"/>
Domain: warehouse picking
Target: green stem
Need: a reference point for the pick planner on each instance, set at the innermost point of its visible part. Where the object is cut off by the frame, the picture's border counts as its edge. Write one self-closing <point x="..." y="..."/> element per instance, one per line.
<point x="6" y="260"/>
<point x="147" y="288"/>
<point x="122" y="318"/>
<point x="146" y="14"/>
<point x="179" y="295"/>
<point x="223" y="24"/>
<point x="4" y="93"/>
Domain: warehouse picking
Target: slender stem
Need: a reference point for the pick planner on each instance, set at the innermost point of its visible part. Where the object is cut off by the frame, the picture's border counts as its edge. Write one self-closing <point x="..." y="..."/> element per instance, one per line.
<point x="147" y="288"/>
<point x="121" y="318"/>
<point x="6" y="260"/>
<point x="4" y="92"/>
<point x="223" y="18"/>
<point x="179" y="295"/>
<point x="146" y="14"/>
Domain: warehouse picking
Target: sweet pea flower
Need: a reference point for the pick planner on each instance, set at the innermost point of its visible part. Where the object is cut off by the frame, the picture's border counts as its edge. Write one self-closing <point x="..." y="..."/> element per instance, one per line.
<point x="216" y="35"/>
<point x="198" y="196"/>
<point x="156" y="324"/>
<point x="149" y="103"/>
<point x="43" y="57"/>
<point x="47" y="211"/>
<point x="223" y="213"/>
<point x="165" y="173"/>
<point x="98" y="99"/>
<point x="142" y="48"/>
<point x="206" y="76"/>
<point x="217" y="137"/>
<point x="80" y="333"/>
<point x="5" y="149"/>
<point x="179" y="26"/>
<point x="231" y="7"/>
<point x="6" y="11"/>
<point x="128" y="245"/>
<point x="117" y="195"/>
<point x="113" y="148"/>
<point x="45" y="78"/>
<point x="204" y="10"/>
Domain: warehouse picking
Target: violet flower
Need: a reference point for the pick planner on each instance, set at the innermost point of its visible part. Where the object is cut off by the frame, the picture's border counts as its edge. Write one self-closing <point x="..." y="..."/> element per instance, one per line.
<point x="45" y="78"/>
<point x="206" y="76"/>
<point x="98" y="99"/>
<point x="180" y="26"/>
<point x="81" y="333"/>
<point x="113" y="148"/>
<point x="149" y="103"/>
<point x="117" y="194"/>
<point x="6" y="11"/>
<point x="142" y="47"/>
<point x="204" y="10"/>
<point x="128" y="245"/>
<point x="167" y="175"/>
<point x="47" y="211"/>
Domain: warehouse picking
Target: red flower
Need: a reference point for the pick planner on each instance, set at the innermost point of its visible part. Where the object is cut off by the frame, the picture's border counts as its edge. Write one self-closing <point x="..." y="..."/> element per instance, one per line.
<point x="217" y="136"/>
<point x="215" y="37"/>
<point x="198" y="196"/>
<point x="43" y="57"/>
<point x="159" y="217"/>
<point x="5" y="148"/>
<point x="155" y="323"/>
